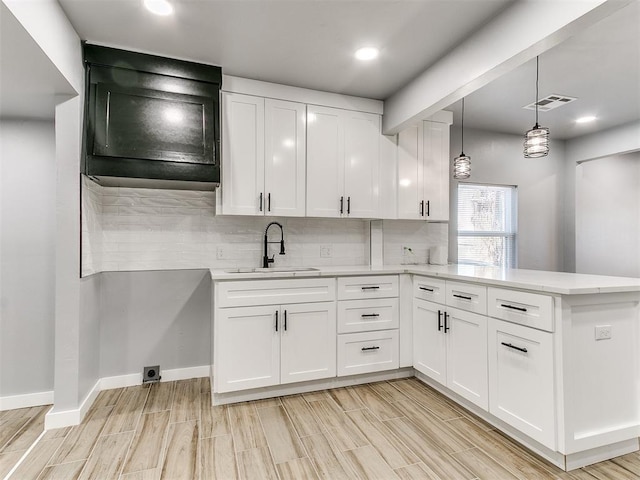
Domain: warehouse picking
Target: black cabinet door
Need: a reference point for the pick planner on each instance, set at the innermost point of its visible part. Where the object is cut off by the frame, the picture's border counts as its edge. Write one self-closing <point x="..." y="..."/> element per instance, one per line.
<point x="147" y="124"/>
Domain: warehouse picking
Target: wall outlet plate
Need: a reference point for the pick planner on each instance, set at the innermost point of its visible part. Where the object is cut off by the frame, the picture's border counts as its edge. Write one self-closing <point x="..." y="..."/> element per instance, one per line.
<point x="221" y="254"/>
<point x="151" y="374"/>
<point x="603" y="332"/>
<point x="326" y="251"/>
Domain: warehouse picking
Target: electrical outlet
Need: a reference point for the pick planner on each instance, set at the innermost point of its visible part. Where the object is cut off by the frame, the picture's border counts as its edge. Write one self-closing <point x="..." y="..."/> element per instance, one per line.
<point x="326" y="251"/>
<point x="603" y="332"/>
<point x="151" y="374"/>
<point x="221" y="253"/>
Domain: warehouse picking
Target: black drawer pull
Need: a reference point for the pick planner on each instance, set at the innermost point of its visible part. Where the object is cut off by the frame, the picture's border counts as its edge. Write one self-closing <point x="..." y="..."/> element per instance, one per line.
<point x="426" y="289"/>
<point x="364" y="349"/>
<point x="368" y="315"/>
<point x="464" y="297"/>
<point x="520" y="309"/>
<point x="520" y="349"/>
<point x="370" y="288"/>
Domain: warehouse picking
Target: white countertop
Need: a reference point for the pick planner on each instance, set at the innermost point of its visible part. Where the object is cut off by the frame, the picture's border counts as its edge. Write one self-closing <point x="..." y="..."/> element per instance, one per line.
<point x="536" y="280"/>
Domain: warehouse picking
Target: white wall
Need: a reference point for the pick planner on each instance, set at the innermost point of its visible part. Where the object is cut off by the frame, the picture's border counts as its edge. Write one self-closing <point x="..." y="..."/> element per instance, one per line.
<point x="608" y="216"/>
<point x="154" y="318"/>
<point x="27" y="256"/>
<point x="497" y="158"/>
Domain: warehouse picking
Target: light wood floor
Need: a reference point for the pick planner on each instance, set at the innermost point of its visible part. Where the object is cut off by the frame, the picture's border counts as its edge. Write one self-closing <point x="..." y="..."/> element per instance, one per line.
<point x="389" y="430"/>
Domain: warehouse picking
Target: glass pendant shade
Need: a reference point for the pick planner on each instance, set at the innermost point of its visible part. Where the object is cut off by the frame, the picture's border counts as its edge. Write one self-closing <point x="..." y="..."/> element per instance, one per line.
<point x="462" y="167"/>
<point x="536" y="142"/>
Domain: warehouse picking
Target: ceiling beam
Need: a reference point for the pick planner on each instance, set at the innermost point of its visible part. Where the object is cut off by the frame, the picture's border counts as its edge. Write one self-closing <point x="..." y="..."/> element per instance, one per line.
<point x="520" y="33"/>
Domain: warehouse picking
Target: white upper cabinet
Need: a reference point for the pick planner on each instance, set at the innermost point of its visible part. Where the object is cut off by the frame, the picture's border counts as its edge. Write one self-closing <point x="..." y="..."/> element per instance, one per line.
<point x="423" y="172"/>
<point x="263" y="156"/>
<point x="242" y="154"/>
<point x="343" y="158"/>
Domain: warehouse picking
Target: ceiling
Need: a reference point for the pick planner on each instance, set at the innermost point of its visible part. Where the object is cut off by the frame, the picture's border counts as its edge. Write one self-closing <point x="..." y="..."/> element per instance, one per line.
<point x="600" y="66"/>
<point x="305" y="43"/>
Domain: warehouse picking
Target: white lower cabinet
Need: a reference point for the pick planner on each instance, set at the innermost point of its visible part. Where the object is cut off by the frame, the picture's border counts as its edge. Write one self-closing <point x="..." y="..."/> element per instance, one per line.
<point x="450" y="346"/>
<point x="521" y="379"/>
<point x="368" y="352"/>
<point x="274" y="344"/>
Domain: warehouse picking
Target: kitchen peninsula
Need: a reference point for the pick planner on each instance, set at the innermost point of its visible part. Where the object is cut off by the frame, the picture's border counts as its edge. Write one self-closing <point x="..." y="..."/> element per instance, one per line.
<point x="550" y="358"/>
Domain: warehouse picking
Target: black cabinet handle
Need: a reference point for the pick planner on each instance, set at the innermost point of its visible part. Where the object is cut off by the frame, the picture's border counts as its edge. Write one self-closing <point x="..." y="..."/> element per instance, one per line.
<point x="426" y="289"/>
<point x="285" y="320"/>
<point x="260" y="201"/>
<point x="369" y="315"/>
<point x="276" y="320"/>
<point x="370" y="288"/>
<point x="464" y="297"/>
<point x="341" y="205"/>
<point x="439" y="320"/>
<point x="520" y="309"/>
<point x="364" y="349"/>
<point x="348" y="205"/>
<point x="269" y="201"/>
<point x="520" y="349"/>
<point x="428" y="208"/>
<point x="422" y="208"/>
<point x="446" y="324"/>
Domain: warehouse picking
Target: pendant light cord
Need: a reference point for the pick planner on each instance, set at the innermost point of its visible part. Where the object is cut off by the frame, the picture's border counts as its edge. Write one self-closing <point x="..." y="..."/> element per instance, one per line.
<point x="462" y="129"/>
<point x="537" y="77"/>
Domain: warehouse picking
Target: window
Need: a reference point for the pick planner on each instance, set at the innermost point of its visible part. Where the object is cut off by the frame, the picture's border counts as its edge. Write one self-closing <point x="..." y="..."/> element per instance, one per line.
<point x="487" y="225"/>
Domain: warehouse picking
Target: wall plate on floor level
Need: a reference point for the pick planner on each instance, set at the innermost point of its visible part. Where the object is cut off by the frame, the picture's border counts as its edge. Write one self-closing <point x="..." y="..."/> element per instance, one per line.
<point x="151" y="374"/>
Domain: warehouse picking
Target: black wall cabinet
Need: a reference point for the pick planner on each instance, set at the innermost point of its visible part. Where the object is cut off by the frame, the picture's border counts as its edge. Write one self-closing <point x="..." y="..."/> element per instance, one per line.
<point x="151" y="121"/>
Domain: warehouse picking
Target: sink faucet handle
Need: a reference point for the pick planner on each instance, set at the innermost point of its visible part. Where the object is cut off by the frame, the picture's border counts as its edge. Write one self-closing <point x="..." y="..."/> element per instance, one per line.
<point x="272" y="259"/>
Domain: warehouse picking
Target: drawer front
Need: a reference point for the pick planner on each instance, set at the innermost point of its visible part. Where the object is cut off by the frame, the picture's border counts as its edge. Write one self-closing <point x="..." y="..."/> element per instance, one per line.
<point x="367" y="315"/>
<point x="467" y="296"/>
<point x="274" y="292"/>
<point x="368" y="352"/>
<point x="530" y="309"/>
<point x="430" y="289"/>
<point x="372" y="286"/>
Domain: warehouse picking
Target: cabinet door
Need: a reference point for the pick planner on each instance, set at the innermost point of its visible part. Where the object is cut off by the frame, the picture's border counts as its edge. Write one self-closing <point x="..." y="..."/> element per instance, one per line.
<point x="467" y="356"/>
<point x="247" y="354"/>
<point x="285" y="154"/>
<point x="325" y="162"/>
<point x="429" y="341"/>
<point x="410" y="188"/>
<point x="435" y="143"/>
<point x="521" y="388"/>
<point x="362" y="164"/>
<point x="242" y="180"/>
<point x="308" y="342"/>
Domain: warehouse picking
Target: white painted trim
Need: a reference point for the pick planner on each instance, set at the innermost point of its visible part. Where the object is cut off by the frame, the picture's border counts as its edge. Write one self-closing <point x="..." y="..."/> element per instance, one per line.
<point x="600" y="454"/>
<point x="11" y="402"/>
<point x="68" y="418"/>
<point x="296" y="94"/>
<point x="310" y="386"/>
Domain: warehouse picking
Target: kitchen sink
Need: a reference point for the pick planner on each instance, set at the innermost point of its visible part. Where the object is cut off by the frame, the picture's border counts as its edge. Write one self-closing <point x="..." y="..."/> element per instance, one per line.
<point x="272" y="269"/>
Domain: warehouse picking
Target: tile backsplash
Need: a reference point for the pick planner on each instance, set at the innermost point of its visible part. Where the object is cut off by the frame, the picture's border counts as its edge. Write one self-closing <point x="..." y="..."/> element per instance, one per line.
<point x="127" y="229"/>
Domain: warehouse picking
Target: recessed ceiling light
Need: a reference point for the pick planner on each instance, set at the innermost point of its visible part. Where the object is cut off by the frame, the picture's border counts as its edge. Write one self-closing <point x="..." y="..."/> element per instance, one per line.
<point x="159" y="7"/>
<point x="366" y="53"/>
<point x="587" y="119"/>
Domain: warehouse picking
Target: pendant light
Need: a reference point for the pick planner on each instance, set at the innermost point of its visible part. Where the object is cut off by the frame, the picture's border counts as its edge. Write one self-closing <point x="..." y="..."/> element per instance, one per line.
<point x="536" y="140"/>
<point x="462" y="163"/>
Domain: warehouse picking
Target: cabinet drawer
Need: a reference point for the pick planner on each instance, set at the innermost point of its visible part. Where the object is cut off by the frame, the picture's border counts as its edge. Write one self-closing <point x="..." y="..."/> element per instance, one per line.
<point x="430" y="289"/>
<point x="357" y="288"/>
<point x="368" y="352"/>
<point x="367" y="315"/>
<point x="274" y="292"/>
<point x="467" y="296"/>
<point x="530" y="309"/>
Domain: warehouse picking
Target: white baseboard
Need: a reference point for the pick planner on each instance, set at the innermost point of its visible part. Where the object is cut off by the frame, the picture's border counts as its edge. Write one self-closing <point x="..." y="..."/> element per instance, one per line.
<point x="67" y="418"/>
<point x="26" y="400"/>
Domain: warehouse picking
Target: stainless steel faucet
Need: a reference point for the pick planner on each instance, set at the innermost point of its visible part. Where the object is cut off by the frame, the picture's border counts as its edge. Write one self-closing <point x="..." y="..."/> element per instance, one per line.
<point x="265" y="259"/>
